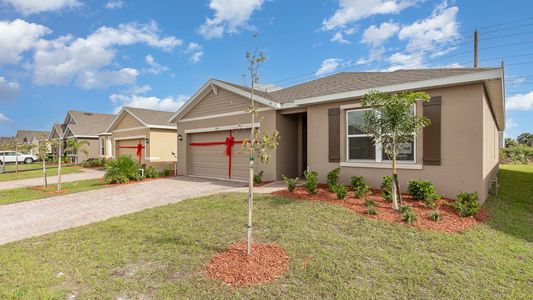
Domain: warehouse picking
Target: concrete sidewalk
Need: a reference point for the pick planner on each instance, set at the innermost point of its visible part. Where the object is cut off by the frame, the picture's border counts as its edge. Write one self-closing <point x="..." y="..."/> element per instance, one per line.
<point x="86" y="174"/>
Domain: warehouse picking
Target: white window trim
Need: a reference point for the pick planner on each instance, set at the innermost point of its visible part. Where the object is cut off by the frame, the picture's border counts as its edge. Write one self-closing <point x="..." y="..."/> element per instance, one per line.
<point x="378" y="148"/>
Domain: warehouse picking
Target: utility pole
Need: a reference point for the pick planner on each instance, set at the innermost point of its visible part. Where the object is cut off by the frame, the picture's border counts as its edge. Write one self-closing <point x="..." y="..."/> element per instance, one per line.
<point x="475" y="49"/>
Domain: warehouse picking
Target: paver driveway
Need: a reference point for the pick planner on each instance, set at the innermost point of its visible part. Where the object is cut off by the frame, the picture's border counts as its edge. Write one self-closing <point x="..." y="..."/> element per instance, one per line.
<point x="32" y="218"/>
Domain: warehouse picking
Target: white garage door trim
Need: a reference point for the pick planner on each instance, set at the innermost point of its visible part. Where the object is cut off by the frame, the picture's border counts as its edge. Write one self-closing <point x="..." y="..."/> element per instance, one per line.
<point x="135" y="137"/>
<point x="222" y="128"/>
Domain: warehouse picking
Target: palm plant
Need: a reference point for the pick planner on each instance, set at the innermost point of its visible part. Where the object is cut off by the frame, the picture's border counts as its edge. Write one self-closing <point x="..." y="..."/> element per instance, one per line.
<point x="76" y="146"/>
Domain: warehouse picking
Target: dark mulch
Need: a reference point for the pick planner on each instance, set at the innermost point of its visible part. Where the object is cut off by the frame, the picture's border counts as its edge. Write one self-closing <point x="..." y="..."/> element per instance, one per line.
<point x="450" y="221"/>
<point x="237" y="269"/>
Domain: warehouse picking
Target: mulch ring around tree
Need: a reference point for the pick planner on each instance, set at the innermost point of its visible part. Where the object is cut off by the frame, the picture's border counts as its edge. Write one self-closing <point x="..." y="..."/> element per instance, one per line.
<point x="450" y="221"/>
<point x="50" y="190"/>
<point x="237" y="269"/>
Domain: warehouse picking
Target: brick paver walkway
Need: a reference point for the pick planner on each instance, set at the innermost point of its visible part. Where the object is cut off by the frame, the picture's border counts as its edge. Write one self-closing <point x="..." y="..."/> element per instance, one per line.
<point x="87" y="174"/>
<point x="32" y="218"/>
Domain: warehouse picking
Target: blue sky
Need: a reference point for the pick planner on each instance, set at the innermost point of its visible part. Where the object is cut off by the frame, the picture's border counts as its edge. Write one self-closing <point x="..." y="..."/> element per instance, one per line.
<point x="57" y="55"/>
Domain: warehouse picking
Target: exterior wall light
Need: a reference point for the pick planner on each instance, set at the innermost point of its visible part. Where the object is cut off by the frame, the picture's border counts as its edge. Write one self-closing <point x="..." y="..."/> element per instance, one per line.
<point x="180" y="138"/>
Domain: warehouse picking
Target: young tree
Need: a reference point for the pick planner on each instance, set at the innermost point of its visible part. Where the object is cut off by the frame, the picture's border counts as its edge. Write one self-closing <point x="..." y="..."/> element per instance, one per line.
<point x="75" y="146"/>
<point x="58" y="144"/>
<point x="44" y="146"/>
<point x="260" y="143"/>
<point x="510" y="142"/>
<point x="392" y="123"/>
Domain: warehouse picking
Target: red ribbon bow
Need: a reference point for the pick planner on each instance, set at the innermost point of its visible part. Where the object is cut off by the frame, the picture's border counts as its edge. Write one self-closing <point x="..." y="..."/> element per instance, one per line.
<point x="230" y="141"/>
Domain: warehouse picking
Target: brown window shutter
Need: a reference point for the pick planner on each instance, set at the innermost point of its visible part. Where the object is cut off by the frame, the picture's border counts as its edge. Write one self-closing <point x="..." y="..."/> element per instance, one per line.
<point x="334" y="134"/>
<point x="432" y="133"/>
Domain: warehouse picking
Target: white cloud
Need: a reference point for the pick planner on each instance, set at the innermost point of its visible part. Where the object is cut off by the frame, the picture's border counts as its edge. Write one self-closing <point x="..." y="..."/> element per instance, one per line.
<point x="354" y="10"/>
<point x="520" y="102"/>
<point x="339" y="38"/>
<point x="27" y="7"/>
<point x="510" y="123"/>
<point x="65" y="59"/>
<point x="114" y="4"/>
<point x="195" y="51"/>
<point x="5" y="120"/>
<point x="440" y="28"/>
<point x="155" y="68"/>
<point x="17" y="37"/>
<point x="230" y="16"/>
<point x="149" y="102"/>
<point x="404" y="61"/>
<point x="375" y="36"/>
<point x="329" y="65"/>
<point x="8" y="89"/>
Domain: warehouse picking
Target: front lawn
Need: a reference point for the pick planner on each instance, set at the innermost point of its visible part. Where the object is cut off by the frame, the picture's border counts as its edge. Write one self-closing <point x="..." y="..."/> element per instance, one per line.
<point x="38" y="173"/>
<point x="334" y="253"/>
<point x="27" y="194"/>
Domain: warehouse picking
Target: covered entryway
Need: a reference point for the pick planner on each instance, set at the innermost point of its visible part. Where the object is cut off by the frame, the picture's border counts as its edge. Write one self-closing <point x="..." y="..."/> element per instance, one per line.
<point x="217" y="154"/>
<point x="135" y="148"/>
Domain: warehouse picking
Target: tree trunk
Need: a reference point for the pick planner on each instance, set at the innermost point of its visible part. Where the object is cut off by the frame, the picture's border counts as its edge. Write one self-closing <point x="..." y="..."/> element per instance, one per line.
<point x="59" y="170"/>
<point x="16" y="158"/>
<point x="251" y="179"/>
<point x="44" y="173"/>
<point x="396" y="192"/>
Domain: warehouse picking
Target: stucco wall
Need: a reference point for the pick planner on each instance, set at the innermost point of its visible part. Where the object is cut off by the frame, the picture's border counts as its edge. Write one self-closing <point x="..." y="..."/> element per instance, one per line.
<point x="462" y="139"/>
<point x="162" y="143"/>
<point x="93" y="149"/>
<point x="490" y="148"/>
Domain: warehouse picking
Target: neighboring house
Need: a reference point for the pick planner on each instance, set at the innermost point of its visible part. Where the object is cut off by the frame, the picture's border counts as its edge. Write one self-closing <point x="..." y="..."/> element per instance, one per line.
<point x="6" y="142"/>
<point x="83" y="126"/>
<point x="55" y="135"/>
<point x="320" y="128"/>
<point x="32" y="137"/>
<point x="144" y="134"/>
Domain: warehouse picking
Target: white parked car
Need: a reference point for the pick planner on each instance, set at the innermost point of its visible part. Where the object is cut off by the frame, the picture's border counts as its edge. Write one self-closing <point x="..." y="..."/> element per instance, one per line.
<point x="12" y="156"/>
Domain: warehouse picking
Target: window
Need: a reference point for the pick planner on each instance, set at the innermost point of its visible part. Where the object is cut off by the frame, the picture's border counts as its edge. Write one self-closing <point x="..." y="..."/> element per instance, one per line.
<point x="102" y="146"/>
<point x="360" y="144"/>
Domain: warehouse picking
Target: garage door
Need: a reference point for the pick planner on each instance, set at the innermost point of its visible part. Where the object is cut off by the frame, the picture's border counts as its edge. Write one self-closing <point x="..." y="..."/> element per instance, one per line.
<point x="208" y="158"/>
<point x="129" y="147"/>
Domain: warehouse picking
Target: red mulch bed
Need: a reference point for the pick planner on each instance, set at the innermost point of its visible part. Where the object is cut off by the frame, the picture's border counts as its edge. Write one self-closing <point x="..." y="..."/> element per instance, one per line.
<point x="50" y="190"/>
<point x="450" y="221"/>
<point x="237" y="269"/>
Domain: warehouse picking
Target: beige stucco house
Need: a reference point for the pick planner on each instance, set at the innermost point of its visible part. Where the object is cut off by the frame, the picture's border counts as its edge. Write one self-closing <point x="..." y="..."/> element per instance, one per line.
<point x="319" y="125"/>
<point x="82" y="126"/>
<point x="144" y="134"/>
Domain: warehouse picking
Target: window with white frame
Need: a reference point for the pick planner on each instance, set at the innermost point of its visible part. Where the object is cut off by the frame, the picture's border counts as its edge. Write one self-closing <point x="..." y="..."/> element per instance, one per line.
<point x="361" y="147"/>
<point x="102" y="146"/>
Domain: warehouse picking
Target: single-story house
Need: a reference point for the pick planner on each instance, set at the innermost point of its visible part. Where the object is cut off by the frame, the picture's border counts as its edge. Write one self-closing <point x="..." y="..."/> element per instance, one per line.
<point x="82" y="126"/>
<point x="144" y="134"/>
<point x="319" y="125"/>
<point x="32" y="137"/>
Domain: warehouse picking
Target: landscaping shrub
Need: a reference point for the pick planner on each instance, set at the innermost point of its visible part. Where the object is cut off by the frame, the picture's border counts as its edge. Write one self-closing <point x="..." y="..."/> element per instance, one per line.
<point x="333" y="179"/>
<point x="311" y="183"/>
<point x="408" y="215"/>
<point x="423" y="190"/>
<point x="369" y="203"/>
<point x="357" y="182"/>
<point x="150" y="172"/>
<point x="121" y="170"/>
<point x="340" y="190"/>
<point x="372" y="211"/>
<point x="94" y="162"/>
<point x="164" y="173"/>
<point x="466" y="204"/>
<point x="360" y="192"/>
<point x="435" y="216"/>
<point x="290" y="182"/>
<point x="386" y="188"/>
<point x="519" y="154"/>
<point x="258" y="178"/>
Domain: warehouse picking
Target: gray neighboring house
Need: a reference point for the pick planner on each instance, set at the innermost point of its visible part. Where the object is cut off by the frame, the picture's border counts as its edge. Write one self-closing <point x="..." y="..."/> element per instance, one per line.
<point x="32" y="137"/>
<point x="320" y="128"/>
<point x="82" y="126"/>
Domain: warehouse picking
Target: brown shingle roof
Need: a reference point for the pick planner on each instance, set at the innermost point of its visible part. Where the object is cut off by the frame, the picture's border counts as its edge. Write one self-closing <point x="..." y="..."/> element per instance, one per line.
<point x="152" y="117"/>
<point x="88" y="123"/>
<point x="352" y="81"/>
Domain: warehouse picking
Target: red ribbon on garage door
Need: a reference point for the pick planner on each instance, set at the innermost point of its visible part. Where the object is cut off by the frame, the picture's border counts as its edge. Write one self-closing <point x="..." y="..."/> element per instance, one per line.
<point x="139" y="148"/>
<point x="230" y="141"/>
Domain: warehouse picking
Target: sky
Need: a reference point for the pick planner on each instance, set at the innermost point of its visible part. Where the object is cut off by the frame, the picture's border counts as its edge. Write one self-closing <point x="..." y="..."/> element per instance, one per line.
<point x="97" y="56"/>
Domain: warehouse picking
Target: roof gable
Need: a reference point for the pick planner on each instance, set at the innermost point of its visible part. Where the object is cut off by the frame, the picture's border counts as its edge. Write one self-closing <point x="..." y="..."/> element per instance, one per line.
<point x="139" y="117"/>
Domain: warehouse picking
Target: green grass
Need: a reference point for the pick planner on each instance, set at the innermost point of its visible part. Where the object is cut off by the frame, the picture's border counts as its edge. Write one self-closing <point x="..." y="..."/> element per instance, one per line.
<point x="22" y="166"/>
<point x="162" y="253"/>
<point x="27" y="194"/>
<point x="38" y="173"/>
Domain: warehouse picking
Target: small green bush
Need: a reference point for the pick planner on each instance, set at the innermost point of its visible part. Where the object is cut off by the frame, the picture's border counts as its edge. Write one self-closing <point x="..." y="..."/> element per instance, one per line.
<point x="94" y="162"/>
<point x="423" y="190"/>
<point x="466" y="204"/>
<point x="408" y="215"/>
<point x="340" y="190"/>
<point x="333" y="179"/>
<point x="121" y="170"/>
<point x="311" y="183"/>
<point x="435" y="216"/>
<point x="258" y="178"/>
<point x="386" y="188"/>
<point x="372" y="211"/>
<point x="518" y="154"/>
<point x="360" y="192"/>
<point x="369" y="202"/>
<point x="357" y="182"/>
<point x="151" y="172"/>
<point x="290" y="182"/>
